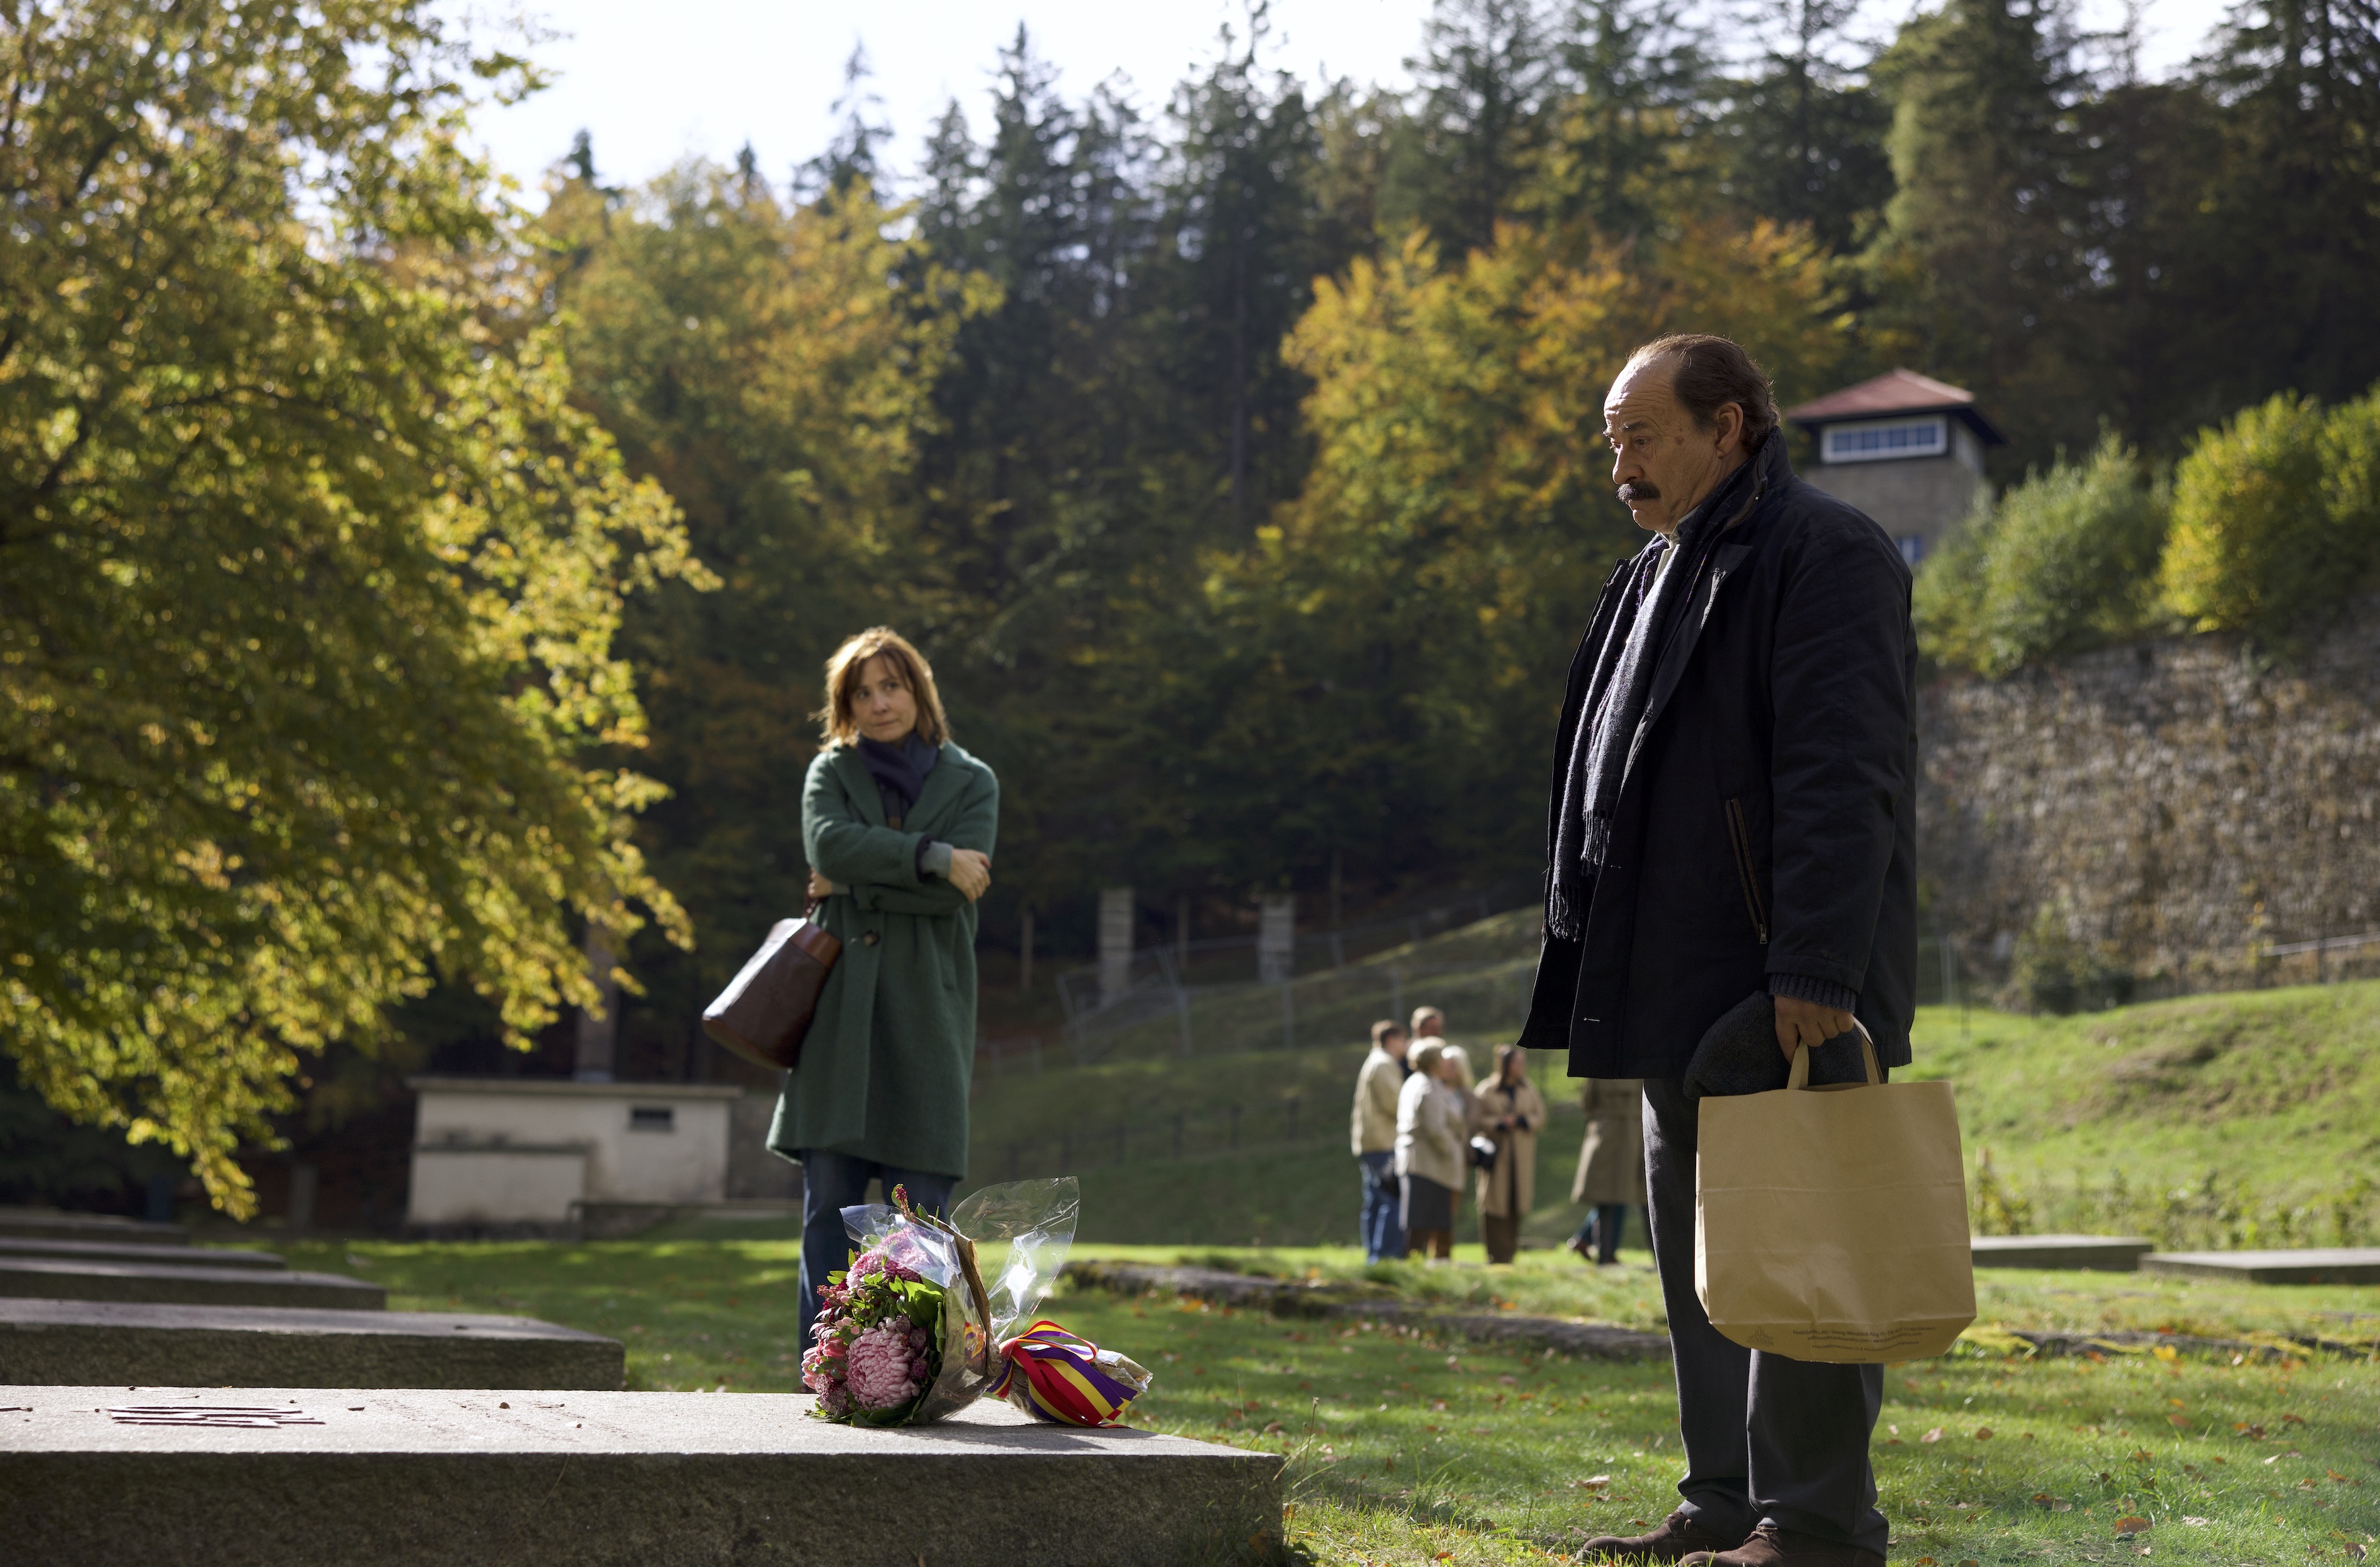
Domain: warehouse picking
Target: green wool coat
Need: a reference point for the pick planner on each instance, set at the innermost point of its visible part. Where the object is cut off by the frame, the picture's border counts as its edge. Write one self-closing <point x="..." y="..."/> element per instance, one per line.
<point x="884" y="1070"/>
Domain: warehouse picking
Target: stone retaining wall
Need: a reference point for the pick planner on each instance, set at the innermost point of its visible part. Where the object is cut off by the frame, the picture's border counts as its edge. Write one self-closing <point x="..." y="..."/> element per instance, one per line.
<point x="2177" y="807"/>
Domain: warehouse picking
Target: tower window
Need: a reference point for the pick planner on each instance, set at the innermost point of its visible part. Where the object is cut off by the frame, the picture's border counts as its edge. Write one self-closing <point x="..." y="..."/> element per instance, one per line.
<point x="1886" y="438"/>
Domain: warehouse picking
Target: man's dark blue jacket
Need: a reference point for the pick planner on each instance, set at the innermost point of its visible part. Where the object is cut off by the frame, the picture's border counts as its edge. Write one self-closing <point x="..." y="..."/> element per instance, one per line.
<point x="1767" y="824"/>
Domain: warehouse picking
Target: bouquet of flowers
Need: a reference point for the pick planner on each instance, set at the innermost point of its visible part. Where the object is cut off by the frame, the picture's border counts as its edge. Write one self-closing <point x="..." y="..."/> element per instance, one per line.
<point x="910" y="1332"/>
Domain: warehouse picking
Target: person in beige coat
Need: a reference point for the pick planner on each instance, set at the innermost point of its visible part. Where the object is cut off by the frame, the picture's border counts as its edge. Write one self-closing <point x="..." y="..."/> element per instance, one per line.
<point x="1372" y="1134"/>
<point x="1610" y="1163"/>
<point x="1508" y="1111"/>
<point x="1432" y="1116"/>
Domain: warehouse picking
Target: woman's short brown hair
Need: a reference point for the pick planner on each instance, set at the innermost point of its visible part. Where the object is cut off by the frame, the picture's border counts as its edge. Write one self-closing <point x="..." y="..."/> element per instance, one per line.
<point x="835" y="724"/>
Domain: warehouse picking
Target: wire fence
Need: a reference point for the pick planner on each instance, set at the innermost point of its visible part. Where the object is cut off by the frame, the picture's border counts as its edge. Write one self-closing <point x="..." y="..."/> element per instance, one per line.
<point x="1297" y="1122"/>
<point x="1481" y="969"/>
<point x="1201" y="998"/>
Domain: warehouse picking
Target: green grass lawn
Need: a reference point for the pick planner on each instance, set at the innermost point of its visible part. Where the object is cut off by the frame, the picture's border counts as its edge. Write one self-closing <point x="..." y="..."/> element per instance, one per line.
<point x="1407" y="1448"/>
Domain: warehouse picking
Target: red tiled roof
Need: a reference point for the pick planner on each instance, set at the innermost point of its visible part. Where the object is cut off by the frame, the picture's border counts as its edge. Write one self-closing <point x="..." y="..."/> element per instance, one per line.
<point x="1895" y="392"/>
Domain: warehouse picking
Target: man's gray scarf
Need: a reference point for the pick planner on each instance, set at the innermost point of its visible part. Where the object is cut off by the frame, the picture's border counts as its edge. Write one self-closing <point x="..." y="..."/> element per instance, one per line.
<point x="1617" y="694"/>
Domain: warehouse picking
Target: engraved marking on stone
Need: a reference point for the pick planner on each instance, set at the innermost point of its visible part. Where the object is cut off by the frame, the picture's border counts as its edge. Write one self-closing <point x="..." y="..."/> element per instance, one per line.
<point x="221" y="1417"/>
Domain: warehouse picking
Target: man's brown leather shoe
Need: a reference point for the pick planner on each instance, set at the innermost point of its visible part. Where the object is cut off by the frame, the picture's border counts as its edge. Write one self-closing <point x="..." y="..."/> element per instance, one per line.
<point x="1773" y="1547"/>
<point x="1678" y="1536"/>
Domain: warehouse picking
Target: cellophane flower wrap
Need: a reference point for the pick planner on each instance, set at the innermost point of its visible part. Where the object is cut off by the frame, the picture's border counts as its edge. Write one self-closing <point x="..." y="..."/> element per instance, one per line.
<point x="927" y="1318"/>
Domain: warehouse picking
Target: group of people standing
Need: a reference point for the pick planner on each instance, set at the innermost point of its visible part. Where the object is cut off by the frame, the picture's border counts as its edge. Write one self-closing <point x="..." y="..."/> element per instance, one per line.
<point x="1421" y="1120"/>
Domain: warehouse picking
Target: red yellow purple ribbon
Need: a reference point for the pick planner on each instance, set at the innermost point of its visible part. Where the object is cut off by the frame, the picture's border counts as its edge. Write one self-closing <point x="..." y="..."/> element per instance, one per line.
<point x="1060" y="1374"/>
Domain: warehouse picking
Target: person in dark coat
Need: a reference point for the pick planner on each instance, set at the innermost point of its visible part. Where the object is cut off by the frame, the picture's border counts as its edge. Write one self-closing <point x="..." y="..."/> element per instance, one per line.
<point x="898" y="823"/>
<point x="1733" y="810"/>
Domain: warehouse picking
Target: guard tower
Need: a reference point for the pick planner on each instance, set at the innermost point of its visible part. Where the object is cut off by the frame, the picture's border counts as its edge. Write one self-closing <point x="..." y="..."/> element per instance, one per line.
<point x="1904" y="448"/>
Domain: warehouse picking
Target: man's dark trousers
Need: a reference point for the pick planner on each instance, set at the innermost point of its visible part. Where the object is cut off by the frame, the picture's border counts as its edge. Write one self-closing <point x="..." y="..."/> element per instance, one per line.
<point x="1383" y="1216"/>
<point x="1767" y="1439"/>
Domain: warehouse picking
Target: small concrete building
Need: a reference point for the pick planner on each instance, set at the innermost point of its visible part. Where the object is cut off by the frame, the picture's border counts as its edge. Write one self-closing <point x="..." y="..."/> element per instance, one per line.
<point x="1904" y="448"/>
<point x="536" y="1151"/>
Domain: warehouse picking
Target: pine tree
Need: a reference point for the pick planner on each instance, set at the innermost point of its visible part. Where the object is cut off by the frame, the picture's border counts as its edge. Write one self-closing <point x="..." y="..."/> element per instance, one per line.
<point x="1240" y="216"/>
<point x="1484" y="85"/>
<point x="1804" y="132"/>
<point x="2295" y="205"/>
<point x="1623" y="157"/>
<point x="1982" y="268"/>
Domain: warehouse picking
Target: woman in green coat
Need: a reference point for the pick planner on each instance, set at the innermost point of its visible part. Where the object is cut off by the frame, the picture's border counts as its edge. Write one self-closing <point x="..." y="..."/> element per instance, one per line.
<point x="898" y="824"/>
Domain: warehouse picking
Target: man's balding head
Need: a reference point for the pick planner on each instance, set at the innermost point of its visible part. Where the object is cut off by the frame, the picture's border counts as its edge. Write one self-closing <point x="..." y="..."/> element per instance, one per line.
<point x="1685" y="412"/>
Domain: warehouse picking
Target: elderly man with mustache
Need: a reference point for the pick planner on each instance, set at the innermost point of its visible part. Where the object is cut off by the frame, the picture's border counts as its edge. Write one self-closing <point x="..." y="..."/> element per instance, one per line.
<point x="1733" y="813"/>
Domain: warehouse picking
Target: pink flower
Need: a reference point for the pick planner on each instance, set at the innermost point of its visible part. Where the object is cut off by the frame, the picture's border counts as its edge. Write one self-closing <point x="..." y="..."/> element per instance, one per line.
<point x="884" y="1369"/>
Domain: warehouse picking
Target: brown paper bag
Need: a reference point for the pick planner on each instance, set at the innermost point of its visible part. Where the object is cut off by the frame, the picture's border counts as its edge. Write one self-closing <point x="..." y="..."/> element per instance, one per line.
<point x="1830" y="1223"/>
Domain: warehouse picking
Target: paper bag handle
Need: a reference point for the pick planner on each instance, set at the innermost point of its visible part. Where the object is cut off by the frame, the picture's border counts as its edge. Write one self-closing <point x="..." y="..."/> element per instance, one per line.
<point x="1799" y="1077"/>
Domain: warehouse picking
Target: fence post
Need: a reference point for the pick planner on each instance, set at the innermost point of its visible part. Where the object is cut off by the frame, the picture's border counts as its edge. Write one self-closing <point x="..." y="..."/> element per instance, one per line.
<point x="1118" y="914"/>
<point x="1235" y="1126"/>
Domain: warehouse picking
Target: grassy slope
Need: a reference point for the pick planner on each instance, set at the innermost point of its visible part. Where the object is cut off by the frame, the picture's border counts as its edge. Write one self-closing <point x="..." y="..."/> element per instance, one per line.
<point x="2246" y="1118"/>
<point x="2251" y="1118"/>
<point x="1406" y="1450"/>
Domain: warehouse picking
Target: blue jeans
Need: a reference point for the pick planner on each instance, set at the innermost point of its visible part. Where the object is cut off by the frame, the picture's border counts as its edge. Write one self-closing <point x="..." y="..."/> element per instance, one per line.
<point x="1601" y="1229"/>
<point x="1383" y="1222"/>
<point x="832" y="1182"/>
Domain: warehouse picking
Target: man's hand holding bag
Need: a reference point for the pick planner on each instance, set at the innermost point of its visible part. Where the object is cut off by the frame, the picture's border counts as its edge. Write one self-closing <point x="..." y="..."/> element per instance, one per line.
<point x="1830" y="1222"/>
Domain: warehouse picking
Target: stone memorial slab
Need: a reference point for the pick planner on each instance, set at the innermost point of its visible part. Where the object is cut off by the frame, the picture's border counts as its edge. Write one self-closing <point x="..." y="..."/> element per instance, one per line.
<point x="121" y="1251"/>
<point x="49" y="1223"/>
<point x="2107" y="1254"/>
<point x="2333" y="1265"/>
<point x="58" y="1277"/>
<point x="234" y="1346"/>
<point x="202" y="1476"/>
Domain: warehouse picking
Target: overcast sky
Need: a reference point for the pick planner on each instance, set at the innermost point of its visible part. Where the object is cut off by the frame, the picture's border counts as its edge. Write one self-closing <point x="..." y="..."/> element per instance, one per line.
<point x="653" y="84"/>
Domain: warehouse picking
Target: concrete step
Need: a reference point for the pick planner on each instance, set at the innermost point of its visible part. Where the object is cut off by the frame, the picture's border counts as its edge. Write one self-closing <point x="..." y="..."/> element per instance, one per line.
<point x="2331" y="1265"/>
<point x="118" y="1251"/>
<point x="235" y="1346"/>
<point x="200" y="1477"/>
<point x="2107" y="1254"/>
<point x="56" y="1278"/>
<point x="49" y="1223"/>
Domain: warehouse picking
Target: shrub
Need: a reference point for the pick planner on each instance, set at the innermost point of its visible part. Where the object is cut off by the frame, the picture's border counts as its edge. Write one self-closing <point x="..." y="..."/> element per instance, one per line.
<point x="2275" y="517"/>
<point x="2065" y="562"/>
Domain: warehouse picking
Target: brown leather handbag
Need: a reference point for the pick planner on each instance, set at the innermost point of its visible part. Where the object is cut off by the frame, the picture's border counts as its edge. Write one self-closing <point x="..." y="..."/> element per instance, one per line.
<point x="766" y="1009"/>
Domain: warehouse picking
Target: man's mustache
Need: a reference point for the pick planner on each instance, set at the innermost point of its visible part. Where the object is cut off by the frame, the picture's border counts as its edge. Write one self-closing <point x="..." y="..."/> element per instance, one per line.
<point x="1631" y="493"/>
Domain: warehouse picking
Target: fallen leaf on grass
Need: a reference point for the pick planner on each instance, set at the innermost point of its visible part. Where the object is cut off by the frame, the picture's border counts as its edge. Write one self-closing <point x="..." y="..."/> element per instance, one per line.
<point x="2143" y="1455"/>
<point x="1983" y="1433"/>
<point x="2198" y="1523"/>
<point x="1933" y="1436"/>
<point x="2253" y="1433"/>
<point x="1593" y="1482"/>
<point x="2179" y="1422"/>
<point x="2133" y="1525"/>
<point x="2294" y="1419"/>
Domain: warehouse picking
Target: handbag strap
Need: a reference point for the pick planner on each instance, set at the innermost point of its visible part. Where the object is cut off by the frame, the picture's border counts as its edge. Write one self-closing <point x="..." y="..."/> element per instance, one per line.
<point x="1799" y="1077"/>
